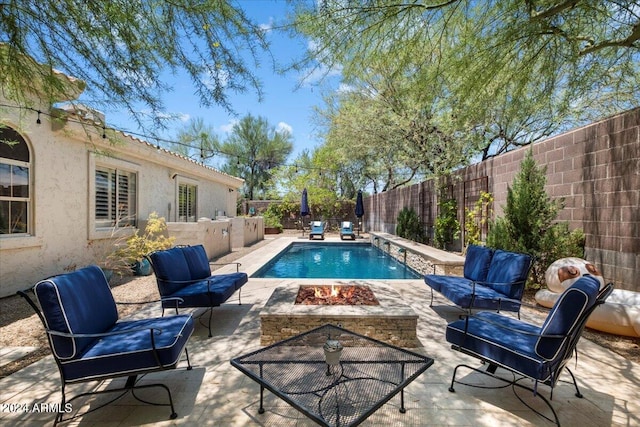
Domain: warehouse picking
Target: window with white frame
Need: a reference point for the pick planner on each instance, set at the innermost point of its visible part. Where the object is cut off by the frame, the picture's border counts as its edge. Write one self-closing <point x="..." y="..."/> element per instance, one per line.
<point x="115" y="197"/>
<point x="187" y="202"/>
<point x="15" y="184"/>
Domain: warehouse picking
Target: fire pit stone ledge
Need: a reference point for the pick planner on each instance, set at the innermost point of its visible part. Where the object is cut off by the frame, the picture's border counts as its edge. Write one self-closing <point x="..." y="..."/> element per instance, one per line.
<point x="392" y="321"/>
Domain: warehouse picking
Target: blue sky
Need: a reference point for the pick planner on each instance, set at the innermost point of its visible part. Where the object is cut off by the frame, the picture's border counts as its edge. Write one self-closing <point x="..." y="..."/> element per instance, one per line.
<point x="284" y="104"/>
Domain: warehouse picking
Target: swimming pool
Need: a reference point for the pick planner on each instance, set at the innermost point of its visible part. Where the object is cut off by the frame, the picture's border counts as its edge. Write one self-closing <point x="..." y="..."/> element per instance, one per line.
<point x="315" y="260"/>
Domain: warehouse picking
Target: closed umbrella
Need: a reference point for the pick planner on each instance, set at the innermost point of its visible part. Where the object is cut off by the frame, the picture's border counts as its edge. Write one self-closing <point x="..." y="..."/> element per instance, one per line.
<point x="304" y="208"/>
<point x="359" y="209"/>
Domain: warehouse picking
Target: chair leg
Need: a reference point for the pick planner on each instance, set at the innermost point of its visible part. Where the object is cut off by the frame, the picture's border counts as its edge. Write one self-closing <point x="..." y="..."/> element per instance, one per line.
<point x="130" y="386"/>
<point x="210" y="316"/>
<point x="186" y="353"/>
<point x="62" y="407"/>
<point x="513" y="383"/>
<point x="575" y="384"/>
<point x="431" y="302"/>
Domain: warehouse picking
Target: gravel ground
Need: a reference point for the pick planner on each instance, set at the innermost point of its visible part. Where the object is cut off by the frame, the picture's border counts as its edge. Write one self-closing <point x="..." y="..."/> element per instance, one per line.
<point x="20" y="327"/>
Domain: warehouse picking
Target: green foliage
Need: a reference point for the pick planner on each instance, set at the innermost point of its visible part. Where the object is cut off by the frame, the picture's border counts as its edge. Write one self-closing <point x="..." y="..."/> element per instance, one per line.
<point x="197" y="141"/>
<point x="272" y="216"/>
<point x="255" y="149"/>
<point x="447" y="227"/>
<point x="139" y="245"/>
<point x="499" y="74"/>
<point x="409" y="226"/>
<point x="121" y="49"/>
<point x="528" y="224"/>
<point x="476" y="218"/>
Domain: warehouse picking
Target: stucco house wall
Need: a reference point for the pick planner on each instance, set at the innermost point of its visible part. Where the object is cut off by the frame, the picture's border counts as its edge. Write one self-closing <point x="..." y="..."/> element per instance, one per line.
<point x="64" y="153"/>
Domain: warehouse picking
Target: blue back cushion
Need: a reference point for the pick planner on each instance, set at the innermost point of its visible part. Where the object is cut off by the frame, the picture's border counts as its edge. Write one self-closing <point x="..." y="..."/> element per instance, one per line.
<point x="198" y="262"/>
<point x="79" y="302"/>
<point x="171" y="269"/>
<point x="565" y="314"/>
<point x="507" y="273"/>
<point x="476" y="262"/>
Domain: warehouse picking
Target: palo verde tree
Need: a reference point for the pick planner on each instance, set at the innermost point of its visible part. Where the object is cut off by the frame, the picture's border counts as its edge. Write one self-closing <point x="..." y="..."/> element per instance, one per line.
<point x="254" y="149"/>
<point x="120" y="49"/>
<point x="509" y="72"/>
<point x="197" y="141"/>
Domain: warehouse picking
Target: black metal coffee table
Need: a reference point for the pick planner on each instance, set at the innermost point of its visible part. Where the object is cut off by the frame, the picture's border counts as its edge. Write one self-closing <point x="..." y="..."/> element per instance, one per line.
<point x="369" y="374"/>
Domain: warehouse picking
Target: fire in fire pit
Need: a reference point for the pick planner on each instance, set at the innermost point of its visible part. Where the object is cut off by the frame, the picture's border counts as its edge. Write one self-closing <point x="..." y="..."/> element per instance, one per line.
<point x="336" y="295"/>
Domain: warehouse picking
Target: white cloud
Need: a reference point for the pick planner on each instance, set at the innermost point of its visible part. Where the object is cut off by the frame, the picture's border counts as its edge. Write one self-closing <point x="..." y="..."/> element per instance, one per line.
<point x="284" y="127"/>
<point x="268" y="26"/>
<point x="319" y="71"/>
<point x="229" y="126"/>
<point x="345" y="88"/>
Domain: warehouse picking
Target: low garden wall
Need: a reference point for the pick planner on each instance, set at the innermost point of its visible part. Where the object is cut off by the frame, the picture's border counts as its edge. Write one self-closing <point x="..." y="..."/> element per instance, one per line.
<point x="422" y="258"/>
<point x="219" y="236"/>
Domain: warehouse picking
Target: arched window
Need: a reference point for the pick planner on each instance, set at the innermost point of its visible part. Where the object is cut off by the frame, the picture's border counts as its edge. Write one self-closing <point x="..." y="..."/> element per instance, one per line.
<point x="15" y="180"/>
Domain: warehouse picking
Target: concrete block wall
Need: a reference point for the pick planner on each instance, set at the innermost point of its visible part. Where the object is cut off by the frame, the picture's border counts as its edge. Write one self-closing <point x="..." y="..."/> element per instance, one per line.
<point x="595" y="169"/>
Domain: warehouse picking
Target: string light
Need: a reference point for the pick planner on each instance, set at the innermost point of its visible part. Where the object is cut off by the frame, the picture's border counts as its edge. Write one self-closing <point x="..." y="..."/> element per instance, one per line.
<point x="144" y="137"/>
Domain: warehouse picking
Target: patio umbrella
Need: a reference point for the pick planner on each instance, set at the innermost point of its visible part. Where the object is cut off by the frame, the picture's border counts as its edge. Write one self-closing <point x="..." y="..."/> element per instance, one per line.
<point x="304" y="208"/>
<point x="359" y="209"/>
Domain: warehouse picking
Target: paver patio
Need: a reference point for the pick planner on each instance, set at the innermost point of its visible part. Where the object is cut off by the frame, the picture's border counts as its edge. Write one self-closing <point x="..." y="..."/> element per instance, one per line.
<point x="215" y="393"/>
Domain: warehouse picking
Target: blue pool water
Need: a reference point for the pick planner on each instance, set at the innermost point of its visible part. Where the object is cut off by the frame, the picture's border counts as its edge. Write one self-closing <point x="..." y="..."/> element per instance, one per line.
<point x="315" y="260"/>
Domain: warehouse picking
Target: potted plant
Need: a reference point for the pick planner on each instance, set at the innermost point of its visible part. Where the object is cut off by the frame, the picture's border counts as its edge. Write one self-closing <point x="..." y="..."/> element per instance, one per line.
<point x="138" y="245"/>
<point x="272" y="224"/>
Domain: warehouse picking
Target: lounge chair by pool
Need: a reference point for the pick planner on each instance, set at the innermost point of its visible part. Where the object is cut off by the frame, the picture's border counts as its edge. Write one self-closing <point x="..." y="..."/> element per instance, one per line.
<point x="346" y="230"/>
<point x="317" y="229"/>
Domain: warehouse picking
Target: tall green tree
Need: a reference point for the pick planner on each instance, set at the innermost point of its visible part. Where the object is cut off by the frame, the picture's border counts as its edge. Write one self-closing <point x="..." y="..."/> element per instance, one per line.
<point x="254" y="149"/>
<point x="529" y="222"/>
<point x="510" y="72"/>
<point x="197" y="141"/>
<point x="121" y="49"/>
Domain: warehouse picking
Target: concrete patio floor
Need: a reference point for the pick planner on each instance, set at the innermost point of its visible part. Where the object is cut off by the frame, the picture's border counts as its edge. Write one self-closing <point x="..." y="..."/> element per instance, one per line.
<point x="215" y="393"/>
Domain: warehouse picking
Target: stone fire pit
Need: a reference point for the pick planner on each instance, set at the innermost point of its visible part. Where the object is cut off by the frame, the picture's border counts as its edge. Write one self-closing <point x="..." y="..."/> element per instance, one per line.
<point x="392" y="321"/>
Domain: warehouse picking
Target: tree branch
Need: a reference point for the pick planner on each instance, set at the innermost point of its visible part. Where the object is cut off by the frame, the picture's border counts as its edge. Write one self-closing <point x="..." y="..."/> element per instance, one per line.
<point x="628" y="42"/>
<point x="552" y="11"/>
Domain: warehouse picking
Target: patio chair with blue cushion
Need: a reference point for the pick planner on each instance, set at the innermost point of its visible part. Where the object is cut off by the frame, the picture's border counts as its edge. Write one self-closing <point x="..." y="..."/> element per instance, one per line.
<point x="184" y="279"/>
<point x="346" y="230"/>
<point x="89" y="343"/>
<point x="493" y="279"/>
<point x="528" y="351"/>
<point x="317" y="229"/>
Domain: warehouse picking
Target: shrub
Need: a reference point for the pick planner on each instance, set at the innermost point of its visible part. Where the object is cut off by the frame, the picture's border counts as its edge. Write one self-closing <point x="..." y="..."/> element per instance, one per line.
<point x="139" y="245"/>
<point x="528" y="224"/>
<point x="446" y="227"/>
<point x="409" y="226"/>
<point x="272" y="219"/>
<point x="476" y="218"/>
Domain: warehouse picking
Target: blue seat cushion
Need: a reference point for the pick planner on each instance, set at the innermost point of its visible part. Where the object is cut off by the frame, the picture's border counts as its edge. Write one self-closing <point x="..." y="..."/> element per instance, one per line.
<point x="476" y="262"/>
<point x="79" y="302"/>
<point x="198" y="262"/>
<point x="171" y="269"/>
<point x="437" y="281"/>
<point x="209" y="292"/>
<point x="508" y="273"/>
<point x="460" y="292"/>
<point x="239" y="278"/>
<point x="124" y="354"/>
<point x="488" y="339"/>
<point x="574" y="301"/>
